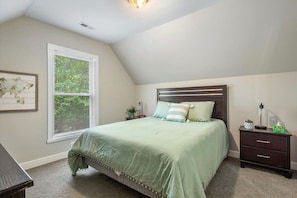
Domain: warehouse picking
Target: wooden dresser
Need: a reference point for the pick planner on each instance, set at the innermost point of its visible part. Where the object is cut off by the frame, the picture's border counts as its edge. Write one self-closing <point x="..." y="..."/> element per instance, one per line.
<point x="13" y="178"/>
<point x="265" y="148"/>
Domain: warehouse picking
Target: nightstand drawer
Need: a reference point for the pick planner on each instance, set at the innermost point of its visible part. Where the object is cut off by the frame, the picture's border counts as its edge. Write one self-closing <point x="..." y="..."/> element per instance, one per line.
<point x="278" y="143"/>
<point x="264" y="156"/>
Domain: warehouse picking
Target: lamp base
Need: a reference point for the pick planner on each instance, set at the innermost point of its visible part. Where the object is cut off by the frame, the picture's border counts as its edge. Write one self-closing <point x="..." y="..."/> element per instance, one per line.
<point x="260" y="127"/>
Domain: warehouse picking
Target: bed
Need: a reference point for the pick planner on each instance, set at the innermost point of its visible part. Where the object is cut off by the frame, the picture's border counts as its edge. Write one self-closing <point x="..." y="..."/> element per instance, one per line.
<point x="157" y="157"/>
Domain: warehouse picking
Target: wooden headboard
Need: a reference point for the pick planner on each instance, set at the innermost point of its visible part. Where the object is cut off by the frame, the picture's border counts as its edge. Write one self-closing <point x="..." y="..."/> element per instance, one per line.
<point x="217" y="93"/>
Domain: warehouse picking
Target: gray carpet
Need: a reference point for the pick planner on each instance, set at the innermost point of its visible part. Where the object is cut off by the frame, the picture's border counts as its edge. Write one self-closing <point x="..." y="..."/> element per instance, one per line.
<point x="55" y="180"/>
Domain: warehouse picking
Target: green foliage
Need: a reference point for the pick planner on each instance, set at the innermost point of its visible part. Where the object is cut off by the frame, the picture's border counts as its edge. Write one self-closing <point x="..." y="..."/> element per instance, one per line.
<point x="72" y="77"/>
<point x="131" y="110"/>
<point x="249" y="121"/>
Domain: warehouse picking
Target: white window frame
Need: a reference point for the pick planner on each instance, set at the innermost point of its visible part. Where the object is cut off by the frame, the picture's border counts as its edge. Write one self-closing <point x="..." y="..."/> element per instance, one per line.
<point x="93" y="60"/>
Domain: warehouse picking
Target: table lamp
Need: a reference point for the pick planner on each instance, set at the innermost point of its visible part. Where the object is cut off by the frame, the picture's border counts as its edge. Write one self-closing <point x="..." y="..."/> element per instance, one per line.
<point x="260" y="112"/>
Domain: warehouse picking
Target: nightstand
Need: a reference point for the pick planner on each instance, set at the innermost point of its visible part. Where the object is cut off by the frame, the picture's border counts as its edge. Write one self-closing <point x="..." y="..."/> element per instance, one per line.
<point x="135" y="117"/>
<point x="265" y="148"/>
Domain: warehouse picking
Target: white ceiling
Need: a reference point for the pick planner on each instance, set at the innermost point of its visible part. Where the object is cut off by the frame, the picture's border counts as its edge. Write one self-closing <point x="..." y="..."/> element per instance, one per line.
<point x="228" y="38"/>
<point x="108" y="20"/>
<point x="177" y="40"/>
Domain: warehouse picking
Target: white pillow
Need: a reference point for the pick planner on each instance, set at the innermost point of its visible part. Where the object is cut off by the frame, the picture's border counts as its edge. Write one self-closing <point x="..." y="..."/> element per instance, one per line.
<point x="178" y="112"/>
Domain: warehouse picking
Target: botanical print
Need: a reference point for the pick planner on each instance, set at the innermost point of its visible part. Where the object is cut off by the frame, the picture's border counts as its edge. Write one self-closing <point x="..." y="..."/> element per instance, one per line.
<point x="18" y="91"/>
<point x="14" y="87"/>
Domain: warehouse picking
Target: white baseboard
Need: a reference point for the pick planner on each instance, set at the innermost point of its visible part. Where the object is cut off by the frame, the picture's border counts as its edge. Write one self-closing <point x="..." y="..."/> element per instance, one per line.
<point x="236" y="154"/>
<point x="294" y="165"/>
<point x="43" y="160"/>
<point x="233" y="153"/>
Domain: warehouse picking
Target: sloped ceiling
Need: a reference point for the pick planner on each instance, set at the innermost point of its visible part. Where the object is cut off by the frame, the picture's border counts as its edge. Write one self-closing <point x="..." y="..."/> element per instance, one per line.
<point x="230" y="38"/>
<point x="177" y="40"/>
<point x="106" y="20"/>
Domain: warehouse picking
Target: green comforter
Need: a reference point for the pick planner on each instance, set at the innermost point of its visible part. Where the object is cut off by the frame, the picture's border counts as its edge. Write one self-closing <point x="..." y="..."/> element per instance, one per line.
<point x="178" y="160"/>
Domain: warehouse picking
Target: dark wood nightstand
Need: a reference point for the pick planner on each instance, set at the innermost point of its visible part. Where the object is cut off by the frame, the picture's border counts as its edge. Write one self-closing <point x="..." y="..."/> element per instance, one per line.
<point x="135" y="117"/>
<point x="265" y="148"/>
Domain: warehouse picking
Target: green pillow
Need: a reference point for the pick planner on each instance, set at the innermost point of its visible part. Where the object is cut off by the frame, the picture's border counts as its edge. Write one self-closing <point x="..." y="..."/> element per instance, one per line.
<point x="178" y="112"/>
<point x="201" y="112"/>
<point x="161" y="109"/>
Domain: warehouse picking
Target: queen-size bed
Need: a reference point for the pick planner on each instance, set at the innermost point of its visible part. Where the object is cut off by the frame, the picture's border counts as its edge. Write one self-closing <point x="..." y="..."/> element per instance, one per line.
<point x="162" y="155"/>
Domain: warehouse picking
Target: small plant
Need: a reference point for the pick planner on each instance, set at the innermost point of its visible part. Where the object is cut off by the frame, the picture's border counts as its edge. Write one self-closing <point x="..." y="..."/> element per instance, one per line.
<point x="248" y="124"/>
<point x="131" y="111"/>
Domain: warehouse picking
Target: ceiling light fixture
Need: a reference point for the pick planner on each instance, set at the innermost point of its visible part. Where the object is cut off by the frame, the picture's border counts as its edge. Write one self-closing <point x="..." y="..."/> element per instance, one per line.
<point x="138" y="3"/>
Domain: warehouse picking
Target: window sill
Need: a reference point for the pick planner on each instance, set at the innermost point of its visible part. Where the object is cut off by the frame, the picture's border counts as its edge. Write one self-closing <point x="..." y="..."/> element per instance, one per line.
<point x="59" y="138"/>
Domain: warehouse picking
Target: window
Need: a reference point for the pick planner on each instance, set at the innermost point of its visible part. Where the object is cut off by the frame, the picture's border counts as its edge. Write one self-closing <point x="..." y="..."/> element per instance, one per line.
<point x="72" y="92"/>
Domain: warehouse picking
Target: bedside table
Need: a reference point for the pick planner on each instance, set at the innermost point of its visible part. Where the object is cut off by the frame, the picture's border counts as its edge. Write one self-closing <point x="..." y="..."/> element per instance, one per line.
<point x="135" y="117"/>
<point x="265" y="148"/>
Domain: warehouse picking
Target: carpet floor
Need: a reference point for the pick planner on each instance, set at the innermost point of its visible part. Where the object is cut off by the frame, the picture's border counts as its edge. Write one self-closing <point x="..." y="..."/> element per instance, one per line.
<point x="55" y="180"/>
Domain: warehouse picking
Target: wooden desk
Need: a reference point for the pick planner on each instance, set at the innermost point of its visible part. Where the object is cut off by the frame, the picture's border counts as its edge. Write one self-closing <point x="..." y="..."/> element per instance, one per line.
<point x="13" y="178"/>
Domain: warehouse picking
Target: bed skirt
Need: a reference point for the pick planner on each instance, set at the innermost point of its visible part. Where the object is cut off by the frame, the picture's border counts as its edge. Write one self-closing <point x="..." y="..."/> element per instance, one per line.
<point x="126" y="180"/>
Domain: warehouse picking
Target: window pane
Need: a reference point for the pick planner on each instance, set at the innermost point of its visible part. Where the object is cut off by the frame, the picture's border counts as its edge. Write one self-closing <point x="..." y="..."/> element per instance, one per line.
<point x="71" y="113"/>
<point x="71" y="75"/>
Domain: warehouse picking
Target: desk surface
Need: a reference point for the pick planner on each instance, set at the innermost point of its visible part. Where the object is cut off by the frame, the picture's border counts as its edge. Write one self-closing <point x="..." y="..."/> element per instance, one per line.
<point x="13" y="178"/>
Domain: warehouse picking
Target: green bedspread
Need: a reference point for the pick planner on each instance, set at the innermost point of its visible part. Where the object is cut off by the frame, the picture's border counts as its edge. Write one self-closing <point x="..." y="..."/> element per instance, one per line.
<point x="178" y="160"/>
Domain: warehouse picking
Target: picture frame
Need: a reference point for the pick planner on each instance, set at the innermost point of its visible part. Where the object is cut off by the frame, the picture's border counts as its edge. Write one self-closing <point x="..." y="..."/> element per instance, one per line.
<point x="18" y="91"/>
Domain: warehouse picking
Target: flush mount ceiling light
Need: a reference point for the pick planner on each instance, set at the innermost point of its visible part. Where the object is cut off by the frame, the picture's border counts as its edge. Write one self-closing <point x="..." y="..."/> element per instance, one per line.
<point x="138" y="3"/>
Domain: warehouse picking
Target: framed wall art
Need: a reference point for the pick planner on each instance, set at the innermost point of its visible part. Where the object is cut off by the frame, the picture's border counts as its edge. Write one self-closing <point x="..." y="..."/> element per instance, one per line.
<point x="18" y="91"/>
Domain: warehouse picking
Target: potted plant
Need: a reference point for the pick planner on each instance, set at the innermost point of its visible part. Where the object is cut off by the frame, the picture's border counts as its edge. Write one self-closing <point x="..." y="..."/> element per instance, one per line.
<point x="131" y="112"/>
<point x="249" y="124"/>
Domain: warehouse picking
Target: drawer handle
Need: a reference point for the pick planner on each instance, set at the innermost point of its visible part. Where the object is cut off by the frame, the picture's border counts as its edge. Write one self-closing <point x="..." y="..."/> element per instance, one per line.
<point x="263" y="141"/>
<point x="263" y="156"/>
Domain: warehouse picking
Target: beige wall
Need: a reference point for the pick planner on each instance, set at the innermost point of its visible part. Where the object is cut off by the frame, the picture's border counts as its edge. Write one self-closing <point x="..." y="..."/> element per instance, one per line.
<point x="23" y="48"/>
<point x="277" y="92"/>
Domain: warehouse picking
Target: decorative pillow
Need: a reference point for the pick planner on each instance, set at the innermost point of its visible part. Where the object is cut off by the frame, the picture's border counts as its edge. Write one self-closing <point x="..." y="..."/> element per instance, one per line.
<point x="178" y="112"/>
<point x="161" y="109"/>
<point x="201" y="112"/>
